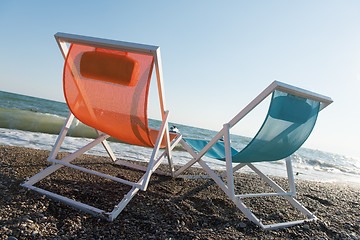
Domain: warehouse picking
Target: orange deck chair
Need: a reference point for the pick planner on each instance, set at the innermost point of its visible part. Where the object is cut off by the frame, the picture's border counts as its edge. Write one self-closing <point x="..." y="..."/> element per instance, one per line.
<point x="106" y="86"/>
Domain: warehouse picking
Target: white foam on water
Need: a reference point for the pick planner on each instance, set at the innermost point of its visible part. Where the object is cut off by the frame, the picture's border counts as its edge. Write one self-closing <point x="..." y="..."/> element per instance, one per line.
<point x="312" y="168"/>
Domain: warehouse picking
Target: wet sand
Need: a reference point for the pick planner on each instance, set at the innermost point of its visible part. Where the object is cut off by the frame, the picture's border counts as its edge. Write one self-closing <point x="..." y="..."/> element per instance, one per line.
<point x="169" y="209"/>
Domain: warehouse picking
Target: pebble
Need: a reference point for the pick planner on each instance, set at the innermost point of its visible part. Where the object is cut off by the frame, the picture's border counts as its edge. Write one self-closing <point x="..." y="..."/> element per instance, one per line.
<point x="242" y="225"/>
<point x="196" y="212"/>
<point x="11" y="238"/>
<point x="28" y="220"/>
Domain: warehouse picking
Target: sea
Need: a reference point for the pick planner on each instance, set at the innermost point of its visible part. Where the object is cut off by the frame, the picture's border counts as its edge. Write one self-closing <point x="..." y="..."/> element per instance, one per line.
<point x="35" y="123"/>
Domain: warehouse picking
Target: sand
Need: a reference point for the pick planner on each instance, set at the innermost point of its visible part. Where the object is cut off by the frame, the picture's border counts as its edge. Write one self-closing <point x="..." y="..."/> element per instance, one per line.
<point x="169" y="209"/>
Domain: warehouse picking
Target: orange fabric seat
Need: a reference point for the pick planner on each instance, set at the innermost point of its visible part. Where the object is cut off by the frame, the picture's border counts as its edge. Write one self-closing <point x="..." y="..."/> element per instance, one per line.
<point x="108" y="90"/>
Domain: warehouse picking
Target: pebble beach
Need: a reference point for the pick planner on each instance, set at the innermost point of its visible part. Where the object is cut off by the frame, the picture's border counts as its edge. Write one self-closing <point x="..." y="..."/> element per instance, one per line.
<point x="169" y="209"/>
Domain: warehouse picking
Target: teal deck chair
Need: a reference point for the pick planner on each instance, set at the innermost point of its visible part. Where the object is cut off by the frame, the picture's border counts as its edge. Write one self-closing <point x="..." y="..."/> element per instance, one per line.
<point x="291" y="118"/>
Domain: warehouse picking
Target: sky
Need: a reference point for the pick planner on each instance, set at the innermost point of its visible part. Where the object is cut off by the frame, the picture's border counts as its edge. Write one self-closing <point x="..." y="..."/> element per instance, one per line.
<point x="216" y="55"/>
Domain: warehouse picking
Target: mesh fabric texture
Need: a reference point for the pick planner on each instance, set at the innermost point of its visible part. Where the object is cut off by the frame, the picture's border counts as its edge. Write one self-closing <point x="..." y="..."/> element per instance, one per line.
<point x="288" y="124"/>
<point x="115" y="109"/>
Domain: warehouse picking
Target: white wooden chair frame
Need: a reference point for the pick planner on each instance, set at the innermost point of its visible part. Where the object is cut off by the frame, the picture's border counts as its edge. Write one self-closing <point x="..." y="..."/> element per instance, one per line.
<point x="155" y="160"/>
<point x="229" y="187"/>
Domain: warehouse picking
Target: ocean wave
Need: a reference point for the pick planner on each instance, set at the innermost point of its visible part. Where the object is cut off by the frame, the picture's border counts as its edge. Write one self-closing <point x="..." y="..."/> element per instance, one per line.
<point x="324" y="162"/>
<point x="41" y="122"/>
<point x="38" y="122"/>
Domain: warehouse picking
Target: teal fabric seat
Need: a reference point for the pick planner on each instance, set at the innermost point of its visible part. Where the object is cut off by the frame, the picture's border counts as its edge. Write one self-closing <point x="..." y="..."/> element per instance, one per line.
<point x="288" y="124"/>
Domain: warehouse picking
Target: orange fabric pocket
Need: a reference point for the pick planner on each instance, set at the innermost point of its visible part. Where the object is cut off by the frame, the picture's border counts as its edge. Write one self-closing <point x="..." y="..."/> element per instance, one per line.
<point x="114" y="68"/>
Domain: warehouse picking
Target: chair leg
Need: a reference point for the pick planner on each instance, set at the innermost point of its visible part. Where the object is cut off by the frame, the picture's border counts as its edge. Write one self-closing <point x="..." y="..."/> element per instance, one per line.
<point x="229" y="168"/>
<point x="279" y="192"/>
<point x="251" y="216"/>
<point x="141" y="184"/>
<point x="168" y="151"/>
<point x="46" y="172"/>
<point x="124" y="202"/>
<point x="247" y="212"/>
<point x="107" y="147"/>
<point x="61" y="137"/>
<point x="290" y="174"/>
<point x="110" y="216"/>
<point x="152" y="162"/>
